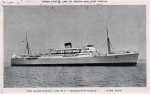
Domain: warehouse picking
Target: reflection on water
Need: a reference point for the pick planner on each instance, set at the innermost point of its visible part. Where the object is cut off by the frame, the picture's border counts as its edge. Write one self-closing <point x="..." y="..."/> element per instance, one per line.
<point x="77" y="76"/>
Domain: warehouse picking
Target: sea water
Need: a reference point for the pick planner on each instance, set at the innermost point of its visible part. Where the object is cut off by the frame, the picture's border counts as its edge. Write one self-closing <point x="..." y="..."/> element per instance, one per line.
<point x="75" y="76"/>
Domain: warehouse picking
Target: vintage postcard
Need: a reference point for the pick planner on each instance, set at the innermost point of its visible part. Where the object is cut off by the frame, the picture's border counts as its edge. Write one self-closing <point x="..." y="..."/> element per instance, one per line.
<point x="74" y="46"/>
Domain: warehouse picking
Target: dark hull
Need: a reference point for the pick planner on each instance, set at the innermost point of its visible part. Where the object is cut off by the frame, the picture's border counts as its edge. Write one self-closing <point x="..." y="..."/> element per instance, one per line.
<point x="83" y="64"/>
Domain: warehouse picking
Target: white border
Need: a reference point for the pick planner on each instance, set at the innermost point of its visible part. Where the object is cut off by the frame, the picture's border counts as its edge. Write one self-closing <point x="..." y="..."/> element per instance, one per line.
<point x="126" y="90"/>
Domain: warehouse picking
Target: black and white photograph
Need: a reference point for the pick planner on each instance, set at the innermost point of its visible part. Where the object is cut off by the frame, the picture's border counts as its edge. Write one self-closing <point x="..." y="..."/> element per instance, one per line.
<point x="74" y="46"/>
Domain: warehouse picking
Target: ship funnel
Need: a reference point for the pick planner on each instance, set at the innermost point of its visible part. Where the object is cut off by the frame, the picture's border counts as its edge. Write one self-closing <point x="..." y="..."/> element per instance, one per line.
<point x="68" y="45"/>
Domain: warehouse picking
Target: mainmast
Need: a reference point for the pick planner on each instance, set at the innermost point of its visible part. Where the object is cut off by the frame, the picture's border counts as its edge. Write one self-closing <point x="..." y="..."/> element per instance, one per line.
<point x="108" y="42"/>
<point x="27" y="46"/>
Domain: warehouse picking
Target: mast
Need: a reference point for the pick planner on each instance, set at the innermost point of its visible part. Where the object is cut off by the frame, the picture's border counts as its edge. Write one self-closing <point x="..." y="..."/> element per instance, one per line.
<point x="27" y="46"/>
<point x="108" y="42"/>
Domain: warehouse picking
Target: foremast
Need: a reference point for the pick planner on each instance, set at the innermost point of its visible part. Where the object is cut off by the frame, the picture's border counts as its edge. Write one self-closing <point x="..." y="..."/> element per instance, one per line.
<point x="27" y="50"/>
<point x="108" y="42"/>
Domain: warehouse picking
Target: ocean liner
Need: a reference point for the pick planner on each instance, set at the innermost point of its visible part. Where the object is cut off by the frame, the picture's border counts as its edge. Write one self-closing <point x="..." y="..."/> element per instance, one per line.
<point x="86" y="55"/>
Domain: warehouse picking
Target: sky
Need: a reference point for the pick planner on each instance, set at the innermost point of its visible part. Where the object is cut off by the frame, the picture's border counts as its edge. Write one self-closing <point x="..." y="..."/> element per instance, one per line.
<point x="49" y="27"/>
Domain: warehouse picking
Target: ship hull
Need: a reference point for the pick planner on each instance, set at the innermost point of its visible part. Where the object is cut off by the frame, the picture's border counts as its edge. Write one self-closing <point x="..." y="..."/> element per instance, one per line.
<point x="109" y="60"/>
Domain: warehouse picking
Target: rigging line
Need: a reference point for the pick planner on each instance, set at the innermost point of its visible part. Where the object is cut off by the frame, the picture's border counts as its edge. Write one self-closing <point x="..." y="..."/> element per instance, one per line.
<point x="111" y="46"/>
<point x="29" y="49"/>
<point x="25" y="51"/>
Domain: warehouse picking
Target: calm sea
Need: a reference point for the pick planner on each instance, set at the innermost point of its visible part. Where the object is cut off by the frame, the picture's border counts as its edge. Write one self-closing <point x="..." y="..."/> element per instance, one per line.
<point x="75" y="76"/>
